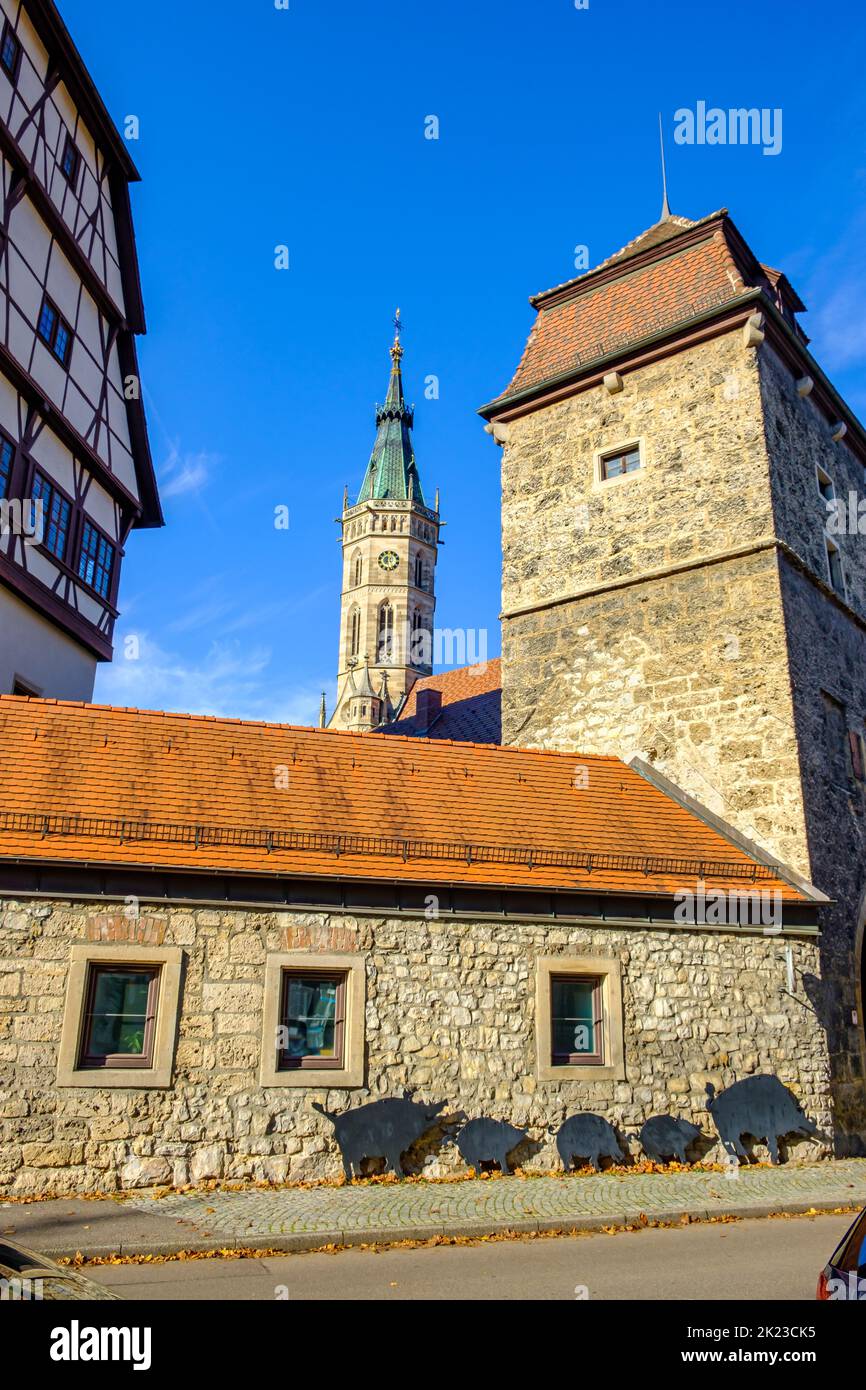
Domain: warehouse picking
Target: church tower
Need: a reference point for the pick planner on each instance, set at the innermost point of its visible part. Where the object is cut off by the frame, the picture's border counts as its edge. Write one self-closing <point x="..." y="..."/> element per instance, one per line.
<point x="389" y="539"/>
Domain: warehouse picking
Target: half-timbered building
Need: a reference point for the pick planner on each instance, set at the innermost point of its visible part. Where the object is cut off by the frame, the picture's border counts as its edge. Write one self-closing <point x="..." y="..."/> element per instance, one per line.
<point x="75" y="469"/>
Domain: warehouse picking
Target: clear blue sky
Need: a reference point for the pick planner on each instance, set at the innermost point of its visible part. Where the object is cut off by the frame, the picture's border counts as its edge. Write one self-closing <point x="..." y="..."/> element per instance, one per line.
<point x="306" y="127"/>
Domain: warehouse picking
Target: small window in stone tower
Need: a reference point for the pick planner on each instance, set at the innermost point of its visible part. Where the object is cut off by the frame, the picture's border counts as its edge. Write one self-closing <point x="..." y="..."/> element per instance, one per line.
<point x="385" y="644"/>
<point x="623" y="461"/>
<point x="836" y="739"/>
<point x="834" y="568"/>
<point x="419" y="571"/>
<point x="354" y="631"/>
<point x="825" y="485"/>
<point x="357" y="570"/>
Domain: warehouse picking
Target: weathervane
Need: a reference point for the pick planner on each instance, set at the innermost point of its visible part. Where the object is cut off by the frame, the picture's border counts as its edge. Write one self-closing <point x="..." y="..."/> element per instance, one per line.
<point x="396" y="350"/>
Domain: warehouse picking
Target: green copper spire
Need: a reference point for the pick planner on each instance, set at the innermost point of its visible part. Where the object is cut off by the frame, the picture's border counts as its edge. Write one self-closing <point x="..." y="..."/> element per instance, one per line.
<point x="392" y="471"/>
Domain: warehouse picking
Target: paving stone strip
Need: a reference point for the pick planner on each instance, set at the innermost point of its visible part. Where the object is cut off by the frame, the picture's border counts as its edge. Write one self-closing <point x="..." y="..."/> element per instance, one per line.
<point x="304" y="1218"/>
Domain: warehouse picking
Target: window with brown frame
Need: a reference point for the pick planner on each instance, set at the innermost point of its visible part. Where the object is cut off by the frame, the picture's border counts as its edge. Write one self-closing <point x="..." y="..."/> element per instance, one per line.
<point x="71" y="160"/>
<point x="623" y="461"/>
<point x="55" y="332"/>
<point x="10" y="52"/>
<point x="56" y="514"/>
<point x="576" y="1021"/>
<point x="312" y="1020"/>
<point x="120" y="1004"/>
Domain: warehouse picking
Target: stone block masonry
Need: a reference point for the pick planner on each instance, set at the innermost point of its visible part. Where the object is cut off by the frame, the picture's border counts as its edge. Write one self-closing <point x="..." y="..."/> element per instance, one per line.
<point x="450" y="1011"/>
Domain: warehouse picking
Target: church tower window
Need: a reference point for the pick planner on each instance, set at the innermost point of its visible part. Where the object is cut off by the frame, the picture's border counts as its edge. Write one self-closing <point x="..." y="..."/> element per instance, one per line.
<point x="357" y="569"/>
<point x="354" y="631"/>
<point x="385" y="645"/>
<point x="419" y="571"/>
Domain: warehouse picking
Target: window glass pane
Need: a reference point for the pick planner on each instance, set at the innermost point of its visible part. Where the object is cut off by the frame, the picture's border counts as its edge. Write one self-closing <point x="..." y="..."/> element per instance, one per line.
<point x="573" y="1016"/>
<point x="47" y="320"/>
<point x="10" y="52"/>
<point x="311" y="1015"/>
<point x="6" y="453"/>
<point x="616" y="464"/>
<point x="118" y="1020"/>
<point x="61" y="342"/>
<point x="55" y="515"/>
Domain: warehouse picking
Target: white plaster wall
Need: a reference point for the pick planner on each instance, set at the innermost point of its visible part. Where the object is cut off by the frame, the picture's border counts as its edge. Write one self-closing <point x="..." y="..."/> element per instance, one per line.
<point x="36" y="652"/>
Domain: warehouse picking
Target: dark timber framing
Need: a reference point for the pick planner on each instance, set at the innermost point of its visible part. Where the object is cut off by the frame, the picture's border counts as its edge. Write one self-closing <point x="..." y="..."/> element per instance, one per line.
<point x="82" y="240"/>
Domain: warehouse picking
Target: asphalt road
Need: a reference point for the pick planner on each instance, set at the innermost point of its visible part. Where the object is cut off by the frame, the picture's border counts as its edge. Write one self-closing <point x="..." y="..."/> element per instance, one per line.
<point x="746" y="1261"/>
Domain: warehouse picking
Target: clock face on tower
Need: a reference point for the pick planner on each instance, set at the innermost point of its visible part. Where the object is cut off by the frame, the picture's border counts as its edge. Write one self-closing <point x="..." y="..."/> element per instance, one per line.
<point x="389" y="559"/>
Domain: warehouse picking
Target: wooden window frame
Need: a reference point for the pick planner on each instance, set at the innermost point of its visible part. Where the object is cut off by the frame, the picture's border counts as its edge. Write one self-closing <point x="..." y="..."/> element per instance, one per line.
<point x="9" y="32"/>
<point x="351" y="1073"/>
<point x="158" y="1075"/>
<point x="86" y="522"/>
<point x="70" y="502"/>
<point x="143" y="1061"/>
<point x="608" y="971"/>
<point x="50" y="343"/>
<point x="581" y="1059"/>
<point x="310" y="1061"/>
<point x="613" y="455"/>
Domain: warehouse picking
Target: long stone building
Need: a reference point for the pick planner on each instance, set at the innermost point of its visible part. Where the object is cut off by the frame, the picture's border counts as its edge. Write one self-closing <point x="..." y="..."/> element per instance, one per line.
<point x="75" y="468"/>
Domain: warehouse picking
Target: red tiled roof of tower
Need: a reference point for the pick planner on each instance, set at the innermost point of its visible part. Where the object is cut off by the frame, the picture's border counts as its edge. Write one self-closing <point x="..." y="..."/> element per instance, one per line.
<point x="470" y="709"/>
<point x="93" y="786"/>
<point x="596" y="316"/>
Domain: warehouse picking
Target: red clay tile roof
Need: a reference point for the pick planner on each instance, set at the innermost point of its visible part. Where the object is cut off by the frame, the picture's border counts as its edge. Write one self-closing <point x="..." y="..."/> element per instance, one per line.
<point x="471" y="706"/>
<point x="97" y="785"/>
<point x="598" y="317"/>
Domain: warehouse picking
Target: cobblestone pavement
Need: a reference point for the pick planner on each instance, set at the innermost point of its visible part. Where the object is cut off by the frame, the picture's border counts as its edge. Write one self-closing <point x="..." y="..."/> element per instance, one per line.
<point x="392" y="1210"/>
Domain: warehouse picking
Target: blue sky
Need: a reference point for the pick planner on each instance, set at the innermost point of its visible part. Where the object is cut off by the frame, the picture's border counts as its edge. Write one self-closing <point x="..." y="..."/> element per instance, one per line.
<point x="306" y="127"/>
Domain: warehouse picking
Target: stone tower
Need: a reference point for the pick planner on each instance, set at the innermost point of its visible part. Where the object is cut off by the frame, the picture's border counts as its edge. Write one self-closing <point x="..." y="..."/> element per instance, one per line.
<point x="389" y="539"/>
<point x="684" y="574"/>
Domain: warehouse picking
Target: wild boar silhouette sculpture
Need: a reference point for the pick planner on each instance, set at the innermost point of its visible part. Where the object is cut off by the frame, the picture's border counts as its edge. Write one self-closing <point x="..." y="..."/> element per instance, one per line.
<point x="482" y="1141"/>
<point x="760" y="1106"/>
<point x="587" y="1136"/>
<point x="667" y="1136"/>
<point x="382" y="1129"/>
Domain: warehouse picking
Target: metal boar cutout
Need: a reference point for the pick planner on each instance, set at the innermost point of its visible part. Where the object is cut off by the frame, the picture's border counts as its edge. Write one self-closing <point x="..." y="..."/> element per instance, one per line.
<point x="484" y="1140"/>
<point x="760" y="1106"/>
<point x="587" y="1136"/>
<point x="667" y="1136"/>
<point x="382" y="1129"/>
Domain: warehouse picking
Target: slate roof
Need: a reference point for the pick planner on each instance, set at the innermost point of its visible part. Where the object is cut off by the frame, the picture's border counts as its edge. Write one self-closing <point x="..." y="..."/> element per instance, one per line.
<point x="392" y="471"/>
<point x="471" y="706"/>
<point x="96" y="785"/>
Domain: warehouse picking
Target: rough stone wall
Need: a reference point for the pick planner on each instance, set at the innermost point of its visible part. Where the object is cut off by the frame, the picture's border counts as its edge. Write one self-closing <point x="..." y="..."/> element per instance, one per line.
<point x="798" y="443"/>
<point x="689" y="672"/>
<point x="828" y="653"/>
<point x="713" y="673"/>
<point x="704" y="487"/>
<point x="450" y="1010"/>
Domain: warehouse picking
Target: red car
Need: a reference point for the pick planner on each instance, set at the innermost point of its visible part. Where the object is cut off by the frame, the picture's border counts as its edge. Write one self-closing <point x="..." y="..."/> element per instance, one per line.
<point x="844" y="1278"/>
